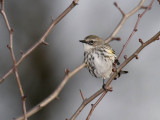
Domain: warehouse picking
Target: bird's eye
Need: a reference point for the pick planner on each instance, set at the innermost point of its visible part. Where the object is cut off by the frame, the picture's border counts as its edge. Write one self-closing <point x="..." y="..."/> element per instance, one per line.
<point x="91" y="42"/>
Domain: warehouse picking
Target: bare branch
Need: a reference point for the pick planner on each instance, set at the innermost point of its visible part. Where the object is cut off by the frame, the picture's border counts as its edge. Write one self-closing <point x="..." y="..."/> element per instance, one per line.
<point x="10" y="47"/>
<point x="94" y="105"/>
<point x="53" y="95"/>
<point x="127" y="60"/>
<point x="73" y="4"/>
<point x="81" y="94"/>
<point x="135" y="28"/>
<point x="124" y="18"/>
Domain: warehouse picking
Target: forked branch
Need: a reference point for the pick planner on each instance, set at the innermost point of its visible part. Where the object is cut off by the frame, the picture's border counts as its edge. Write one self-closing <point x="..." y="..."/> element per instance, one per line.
<point x="127" y="60"/>
<point x="43" y="38"/>
<point x="10" y="47"/>
<point x="124" y="18"/>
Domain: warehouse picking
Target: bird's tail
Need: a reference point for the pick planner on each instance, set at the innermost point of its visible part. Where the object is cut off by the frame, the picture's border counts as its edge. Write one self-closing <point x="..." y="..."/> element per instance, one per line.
<point x="120" y="73"/>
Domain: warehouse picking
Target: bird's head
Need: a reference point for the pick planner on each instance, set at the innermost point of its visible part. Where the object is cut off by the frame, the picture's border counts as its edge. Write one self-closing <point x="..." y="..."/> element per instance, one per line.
<point x="92" y="41"/>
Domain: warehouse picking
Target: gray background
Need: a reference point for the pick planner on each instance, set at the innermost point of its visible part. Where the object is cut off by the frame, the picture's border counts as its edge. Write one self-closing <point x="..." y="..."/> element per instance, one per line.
<point x="135" y="96"/>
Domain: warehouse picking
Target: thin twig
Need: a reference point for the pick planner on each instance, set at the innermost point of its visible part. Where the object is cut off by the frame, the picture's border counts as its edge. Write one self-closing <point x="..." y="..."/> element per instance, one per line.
<point x="124" y="18"/>
<point x="135" y="28"/>
<point x="10" y="46"/>
<point x="52" y="95"/>
<point x="127" y="60"/>
<point x="43" y="38"/>
<point x="81" y="94"/>
<point x="94" y="105"/>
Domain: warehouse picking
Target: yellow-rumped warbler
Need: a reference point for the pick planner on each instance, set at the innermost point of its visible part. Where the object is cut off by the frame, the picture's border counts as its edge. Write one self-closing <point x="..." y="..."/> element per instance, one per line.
<point x="99" y="57"/>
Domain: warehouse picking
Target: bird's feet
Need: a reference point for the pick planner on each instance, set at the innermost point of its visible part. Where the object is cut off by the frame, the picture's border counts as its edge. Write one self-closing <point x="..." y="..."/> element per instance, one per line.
<point x="108" y="88"/>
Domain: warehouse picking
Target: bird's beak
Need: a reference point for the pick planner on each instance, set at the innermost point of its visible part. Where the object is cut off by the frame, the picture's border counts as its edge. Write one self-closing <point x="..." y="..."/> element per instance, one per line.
<point x="83" y="41"/>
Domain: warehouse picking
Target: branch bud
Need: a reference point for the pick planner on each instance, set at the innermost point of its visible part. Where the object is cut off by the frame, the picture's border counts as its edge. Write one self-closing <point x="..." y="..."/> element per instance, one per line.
<point x="136" y="55"/>
<point x="66" y="71"/>
<point x="115" y="3"/>
<point x="141" y="41"/>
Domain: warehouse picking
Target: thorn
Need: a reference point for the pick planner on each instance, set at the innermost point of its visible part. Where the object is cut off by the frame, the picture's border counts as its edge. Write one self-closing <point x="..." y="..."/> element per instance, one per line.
<point x="116" y="5"/>
<point x="92" y="105"/>
<point x="141" y="41"/>
<point x="24" y="98"/>
<point x="8" y="46"/>
<point x="136" y="55"/>
<point x="81" y="94"/>
<point x="45" y="43"/>
<point x="116" y="38"/>
<point x="66" y="71"/>
<point x="125" y="57"/>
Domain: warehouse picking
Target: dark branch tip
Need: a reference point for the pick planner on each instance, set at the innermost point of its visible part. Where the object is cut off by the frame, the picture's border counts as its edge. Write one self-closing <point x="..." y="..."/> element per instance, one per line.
<point x="66" y="71"/>
<point x="115" y="3"/>
<point x="116" y="38"/>
<point x="141" y="41"/>
<point x="136" y="56"/>
<point x="8" y="46"/>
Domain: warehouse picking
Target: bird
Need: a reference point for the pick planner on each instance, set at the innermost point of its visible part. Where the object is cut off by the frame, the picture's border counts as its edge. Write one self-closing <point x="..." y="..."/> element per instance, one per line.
<point x="99" y="57"/>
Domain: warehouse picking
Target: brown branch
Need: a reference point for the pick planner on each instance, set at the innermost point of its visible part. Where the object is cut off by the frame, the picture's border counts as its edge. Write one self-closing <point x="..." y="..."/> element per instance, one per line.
<point x="42" y="40"/>
<point x="127" y="60"/>
<point x="10" y="46"/>
<point x="135" y="28"/>
<point x="94" y="105"/>
<point x="81" y="94"/>
<point x="53" y="95"/>
<point x="124" y="18"/>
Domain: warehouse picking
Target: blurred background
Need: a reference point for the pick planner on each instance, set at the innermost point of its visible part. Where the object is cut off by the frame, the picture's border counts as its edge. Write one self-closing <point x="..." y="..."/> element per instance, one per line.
<point x="135" y="95"/>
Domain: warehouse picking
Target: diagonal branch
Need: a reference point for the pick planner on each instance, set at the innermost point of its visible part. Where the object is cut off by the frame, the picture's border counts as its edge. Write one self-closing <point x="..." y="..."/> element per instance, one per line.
<point x="42" y="40"/>
<point x="10" y="46"/>
<point x="135" y="27"/>
<point x="53" y="95"/>
<point x="127" y="60"/>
